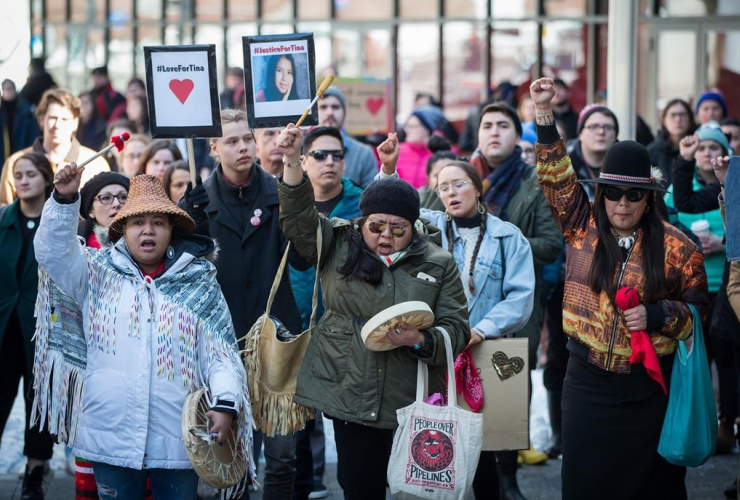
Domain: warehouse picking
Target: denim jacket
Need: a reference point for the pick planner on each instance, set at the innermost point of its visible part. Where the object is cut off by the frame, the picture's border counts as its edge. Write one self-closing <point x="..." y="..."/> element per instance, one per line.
<point x="504" y="287"/>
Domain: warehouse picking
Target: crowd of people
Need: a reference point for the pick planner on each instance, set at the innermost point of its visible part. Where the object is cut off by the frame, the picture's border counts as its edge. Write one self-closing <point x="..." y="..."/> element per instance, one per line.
<point x="524" y="224"/>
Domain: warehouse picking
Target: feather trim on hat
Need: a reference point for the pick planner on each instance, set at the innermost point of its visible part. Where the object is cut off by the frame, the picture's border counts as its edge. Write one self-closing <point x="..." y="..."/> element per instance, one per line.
<point x="657" y="175"/>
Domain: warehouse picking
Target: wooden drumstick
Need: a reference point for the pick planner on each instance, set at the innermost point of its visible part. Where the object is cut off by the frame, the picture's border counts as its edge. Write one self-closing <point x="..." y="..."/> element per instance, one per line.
<point x="117" y="141"/>
<point x="324" y="85"/>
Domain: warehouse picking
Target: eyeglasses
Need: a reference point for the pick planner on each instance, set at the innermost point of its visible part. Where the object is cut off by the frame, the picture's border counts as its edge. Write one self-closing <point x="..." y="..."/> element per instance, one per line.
<point x="681" y="115"/>
<point x="615" y="194"/>
<point x="107" y="199"/>
<point x="397" y="230"/>
<point x="606" y="127"/>
<point x="455" y="186"/>
<point x="323" y="154"/>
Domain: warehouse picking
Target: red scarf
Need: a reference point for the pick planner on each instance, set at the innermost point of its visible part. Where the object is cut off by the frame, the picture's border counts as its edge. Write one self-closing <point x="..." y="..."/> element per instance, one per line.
<point x="467" y="381"/>
<point x="642" y="349"/>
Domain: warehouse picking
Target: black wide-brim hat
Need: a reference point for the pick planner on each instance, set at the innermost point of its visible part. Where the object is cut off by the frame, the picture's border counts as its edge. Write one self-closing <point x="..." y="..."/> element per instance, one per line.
<point x="627" y="164"/>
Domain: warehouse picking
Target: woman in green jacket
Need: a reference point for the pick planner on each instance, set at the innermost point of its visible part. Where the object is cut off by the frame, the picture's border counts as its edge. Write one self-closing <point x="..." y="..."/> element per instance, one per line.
<point x="383" y="258"/>
<point x="33" y="179"/>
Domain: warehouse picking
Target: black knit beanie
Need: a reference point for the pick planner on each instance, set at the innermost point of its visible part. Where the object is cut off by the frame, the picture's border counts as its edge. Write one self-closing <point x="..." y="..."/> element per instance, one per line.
<point x="390" y="196"/>
<point x="595" y="108"/>
<point x="92" y="187"/>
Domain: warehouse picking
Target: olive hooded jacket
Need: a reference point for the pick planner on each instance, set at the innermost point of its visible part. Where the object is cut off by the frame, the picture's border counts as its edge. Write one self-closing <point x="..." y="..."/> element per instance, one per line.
<point x="339" y="376"/>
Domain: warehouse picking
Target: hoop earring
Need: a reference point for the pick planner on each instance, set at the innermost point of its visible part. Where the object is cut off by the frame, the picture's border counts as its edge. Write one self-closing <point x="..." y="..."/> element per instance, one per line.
<point x="481" y="208"/>
<point x="448" y="217"/>
<point x="647" y="209"/>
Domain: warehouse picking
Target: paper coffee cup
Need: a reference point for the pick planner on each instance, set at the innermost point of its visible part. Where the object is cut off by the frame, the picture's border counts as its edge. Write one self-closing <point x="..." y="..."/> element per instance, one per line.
<point x="700" y="228"/>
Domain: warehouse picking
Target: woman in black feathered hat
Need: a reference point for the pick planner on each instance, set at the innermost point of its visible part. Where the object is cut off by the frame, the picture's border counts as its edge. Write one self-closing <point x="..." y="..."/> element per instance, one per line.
<point x="613" y="404"/>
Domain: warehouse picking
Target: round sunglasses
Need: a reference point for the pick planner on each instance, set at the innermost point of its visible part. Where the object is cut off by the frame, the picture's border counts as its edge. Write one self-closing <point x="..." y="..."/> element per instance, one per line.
<point x="397" y="230"/>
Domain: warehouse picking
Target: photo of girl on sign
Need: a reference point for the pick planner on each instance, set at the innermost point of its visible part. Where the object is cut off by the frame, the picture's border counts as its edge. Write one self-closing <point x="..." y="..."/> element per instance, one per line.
<point x="279" y="80"/>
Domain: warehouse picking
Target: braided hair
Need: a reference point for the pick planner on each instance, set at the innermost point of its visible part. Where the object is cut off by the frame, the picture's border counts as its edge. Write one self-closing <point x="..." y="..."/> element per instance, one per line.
<point x="472" y="174"/>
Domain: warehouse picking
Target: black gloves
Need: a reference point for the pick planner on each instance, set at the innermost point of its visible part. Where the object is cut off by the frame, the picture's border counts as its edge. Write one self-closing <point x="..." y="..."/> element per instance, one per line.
<point x="196" y="197"/>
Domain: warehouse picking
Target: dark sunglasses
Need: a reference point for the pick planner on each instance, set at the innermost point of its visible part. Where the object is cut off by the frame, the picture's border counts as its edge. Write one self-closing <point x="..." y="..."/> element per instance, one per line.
<point x="632" y="194"/>
<point x="322" y="154"/>
<point x="397" y="230"/>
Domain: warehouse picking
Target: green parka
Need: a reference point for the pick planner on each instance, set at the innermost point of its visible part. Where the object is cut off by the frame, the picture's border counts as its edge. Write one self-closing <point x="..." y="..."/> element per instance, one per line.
<point x="18" y="290"/>
<point x="339" y="376"/>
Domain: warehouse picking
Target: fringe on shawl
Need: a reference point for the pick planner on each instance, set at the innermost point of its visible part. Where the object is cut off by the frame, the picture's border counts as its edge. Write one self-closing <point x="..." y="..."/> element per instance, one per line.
<point x="217" y="348"/>
<point x="58" y="379"/>
<point x="273" y="413"/>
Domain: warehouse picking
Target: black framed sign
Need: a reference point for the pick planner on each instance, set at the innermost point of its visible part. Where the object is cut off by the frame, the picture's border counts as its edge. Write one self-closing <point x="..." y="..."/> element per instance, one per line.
<point x="279" y="79"/>
<point x="182" y="91"/>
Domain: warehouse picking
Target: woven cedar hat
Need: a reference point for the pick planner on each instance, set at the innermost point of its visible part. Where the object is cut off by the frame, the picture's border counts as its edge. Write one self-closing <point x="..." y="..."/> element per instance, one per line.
<point x="147" y="196"/>
<point x="627" y="164"/>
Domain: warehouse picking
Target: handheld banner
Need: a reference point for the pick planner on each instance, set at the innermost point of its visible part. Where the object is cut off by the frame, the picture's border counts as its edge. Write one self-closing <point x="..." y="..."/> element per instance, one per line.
<point x="279" y="79"/>
<point x="182" y="91"/>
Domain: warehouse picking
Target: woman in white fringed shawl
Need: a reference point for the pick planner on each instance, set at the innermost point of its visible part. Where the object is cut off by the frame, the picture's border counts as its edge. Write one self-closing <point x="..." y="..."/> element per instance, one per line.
<point x="154" y="327"/>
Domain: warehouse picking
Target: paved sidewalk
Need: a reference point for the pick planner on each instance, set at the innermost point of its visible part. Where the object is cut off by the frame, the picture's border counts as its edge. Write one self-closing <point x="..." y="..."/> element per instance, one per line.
<point x="538" y="482"/>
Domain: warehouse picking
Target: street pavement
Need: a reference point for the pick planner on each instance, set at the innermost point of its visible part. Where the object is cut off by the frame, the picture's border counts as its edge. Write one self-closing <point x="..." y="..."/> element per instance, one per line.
<point x="538" y="482"/>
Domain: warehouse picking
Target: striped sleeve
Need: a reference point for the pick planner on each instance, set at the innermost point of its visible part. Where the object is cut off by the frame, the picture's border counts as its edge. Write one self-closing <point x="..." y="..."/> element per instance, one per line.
<point x="568" y="200"/>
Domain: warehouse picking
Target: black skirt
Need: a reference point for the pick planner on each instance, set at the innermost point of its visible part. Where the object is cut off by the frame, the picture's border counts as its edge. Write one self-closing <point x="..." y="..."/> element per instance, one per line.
<point x="611" y="429"/>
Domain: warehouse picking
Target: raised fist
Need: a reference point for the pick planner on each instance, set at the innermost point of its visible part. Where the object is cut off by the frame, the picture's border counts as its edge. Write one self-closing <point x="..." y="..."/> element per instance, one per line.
<point x="388" y="151"/>
<point x="720" y="165"/>
<point x="289" y="142"/>
<point x="542" y="91"/>
<point x="688" y="147"/>
<point x="67" y="180"/>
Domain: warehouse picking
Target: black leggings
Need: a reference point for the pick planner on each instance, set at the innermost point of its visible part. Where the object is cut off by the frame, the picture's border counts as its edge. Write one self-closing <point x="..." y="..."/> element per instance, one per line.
<point x="363" y="454"/>
<point x="37" y="445"/>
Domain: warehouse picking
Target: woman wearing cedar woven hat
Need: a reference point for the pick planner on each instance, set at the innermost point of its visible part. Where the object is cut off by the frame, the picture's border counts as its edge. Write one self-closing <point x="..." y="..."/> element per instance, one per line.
<point x="155" y="328"/>
<point x="612" y="410"/>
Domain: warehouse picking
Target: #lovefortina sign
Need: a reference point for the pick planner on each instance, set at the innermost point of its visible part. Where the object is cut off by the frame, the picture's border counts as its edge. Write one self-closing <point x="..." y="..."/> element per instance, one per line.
<point x="182" y="91"/>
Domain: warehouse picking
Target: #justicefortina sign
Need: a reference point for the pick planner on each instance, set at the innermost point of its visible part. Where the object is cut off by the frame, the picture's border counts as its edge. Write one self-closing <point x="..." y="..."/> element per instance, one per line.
<point x="182" y="91"/>
<point x="368" y="106"/>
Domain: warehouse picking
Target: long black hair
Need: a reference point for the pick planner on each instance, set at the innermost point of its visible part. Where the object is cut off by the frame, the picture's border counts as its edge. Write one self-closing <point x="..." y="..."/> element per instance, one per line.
<point x="272" y="93"/>
<point x="608" y="256"/>
<point x="361" y="263"/>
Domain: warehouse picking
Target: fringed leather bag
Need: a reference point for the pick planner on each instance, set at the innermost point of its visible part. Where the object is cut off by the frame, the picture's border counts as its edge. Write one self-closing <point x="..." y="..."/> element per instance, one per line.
<point x="273" y="358"/>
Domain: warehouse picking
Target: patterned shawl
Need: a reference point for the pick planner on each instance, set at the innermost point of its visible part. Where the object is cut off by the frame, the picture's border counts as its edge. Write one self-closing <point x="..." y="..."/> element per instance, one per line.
<point x="192" y="295"/>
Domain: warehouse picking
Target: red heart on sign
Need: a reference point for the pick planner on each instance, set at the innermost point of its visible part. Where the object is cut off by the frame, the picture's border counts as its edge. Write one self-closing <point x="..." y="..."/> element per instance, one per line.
<point x="374" y="105"/>
<point x="182" y="89"/>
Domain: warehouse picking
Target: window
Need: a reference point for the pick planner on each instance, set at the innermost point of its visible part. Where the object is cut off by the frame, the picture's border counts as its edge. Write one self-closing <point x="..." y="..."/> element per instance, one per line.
<point x="475" y="9"/>
<point x="315" y="9"/>
<point x="418" y="64"/>
<point x="419" y="9"/>
<point x="464" y="67"/>
<point x="362" y="10"/>
<point x="277" y="10"/>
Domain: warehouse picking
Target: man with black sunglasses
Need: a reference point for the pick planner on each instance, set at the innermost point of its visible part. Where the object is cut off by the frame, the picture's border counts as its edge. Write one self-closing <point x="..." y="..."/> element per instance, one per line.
<point x="335" y="196"/>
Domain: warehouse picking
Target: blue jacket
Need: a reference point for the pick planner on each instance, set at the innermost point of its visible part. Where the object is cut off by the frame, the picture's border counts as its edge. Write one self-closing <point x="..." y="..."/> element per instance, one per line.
<point x="504" y="288"/>
<point x="360" y="164"/>
<point x="303" y="281"/>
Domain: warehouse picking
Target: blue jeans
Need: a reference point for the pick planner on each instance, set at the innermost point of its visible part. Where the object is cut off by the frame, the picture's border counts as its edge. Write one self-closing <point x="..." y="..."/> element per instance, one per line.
<point x="122" y="483"/>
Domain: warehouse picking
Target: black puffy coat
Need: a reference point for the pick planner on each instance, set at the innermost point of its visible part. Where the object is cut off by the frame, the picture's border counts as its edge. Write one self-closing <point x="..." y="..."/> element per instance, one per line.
<point x="249" y="255"/>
